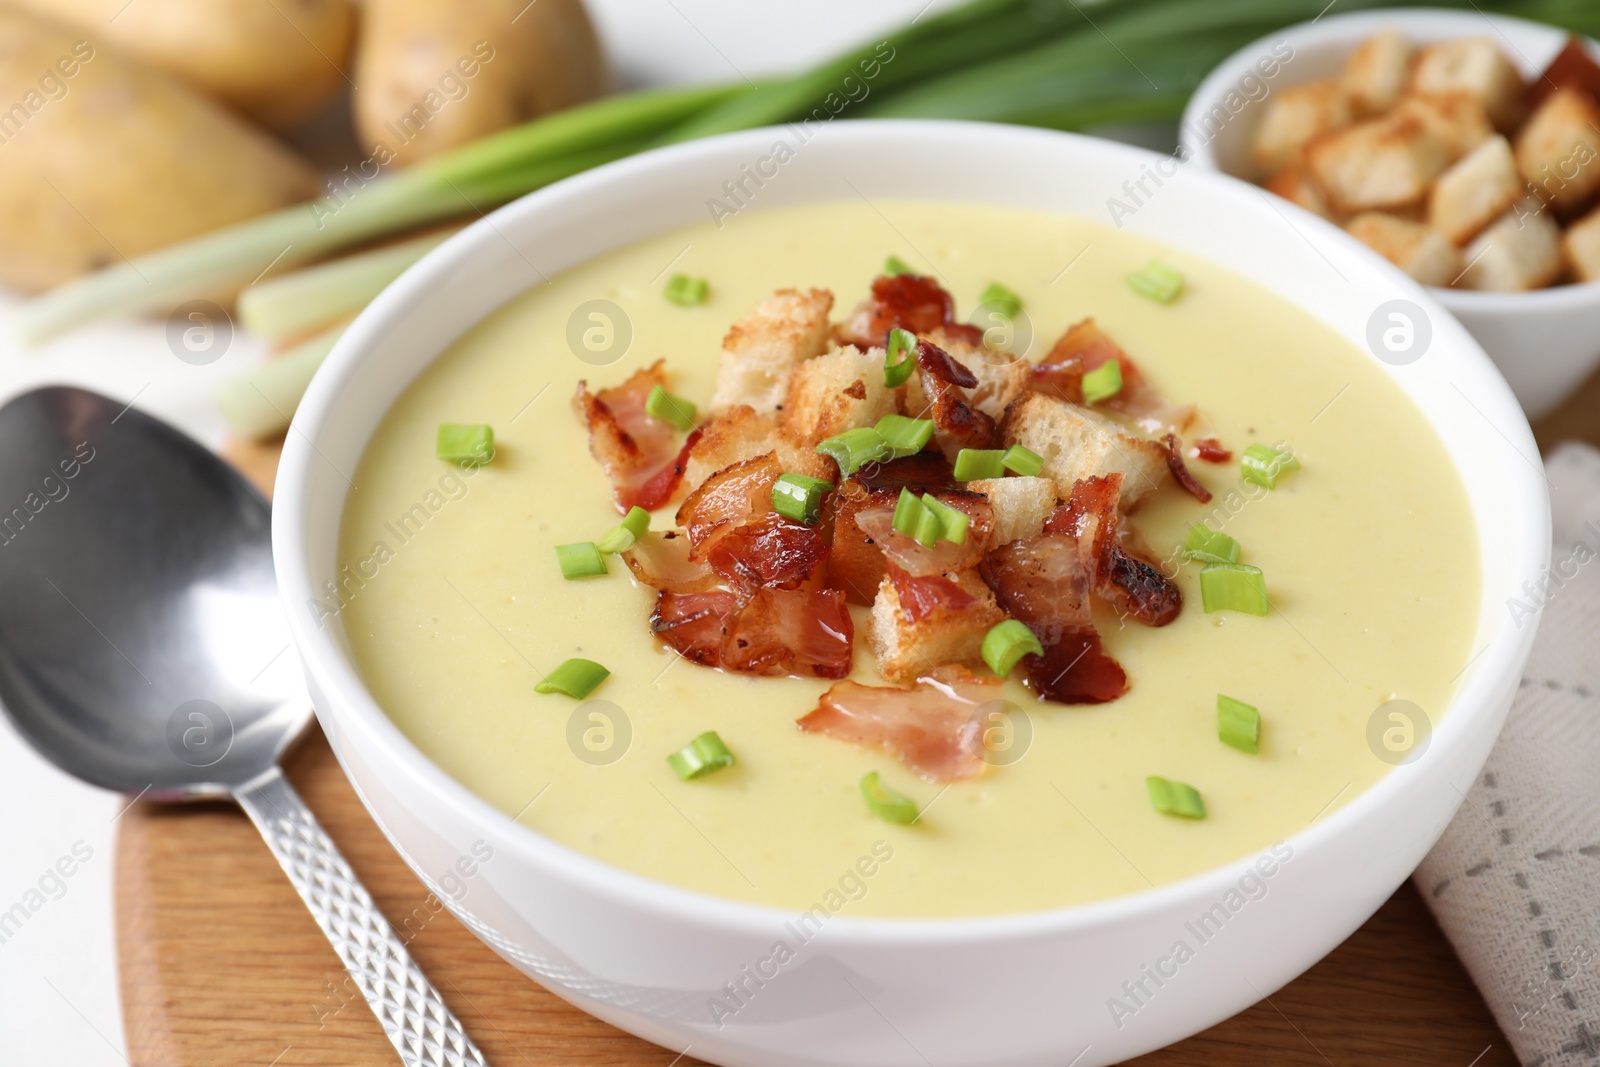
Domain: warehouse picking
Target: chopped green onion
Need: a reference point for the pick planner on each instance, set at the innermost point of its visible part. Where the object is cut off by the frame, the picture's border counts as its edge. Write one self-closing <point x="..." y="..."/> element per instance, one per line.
<point x="1001" y="299"/>
<point x="701" y="756"/>
<point x="1006" y="643"/>
<point x="1157" y="281"/>
<point x="1210" y="546"/>
<point x="799" y="497"/>
<point x="953" y="522"/>
<point x="906" y="436"/>
<point x="1020" y="460"/>
<point x="899" y="359"/>
<point x="1175" y="798"/>
<point x="853" y="449"/>
<point x="887" y="804"/>
<point x="582" y="560"/>
<point x="895" y="265"/>
<point x="973" y="464"/>
<point x="916" y="520"/>
<point x="1233" y="587"/>
<point x="1262" y="464"/>
<point x="662" y="405"/>
<point x="464" y="443"/>
<point x="1103" y="383"/>
<point x="634" y="525"/>
<point x="686" y="291"/>
<point x="1238" y="724"/>
<point x="575" y="678"/>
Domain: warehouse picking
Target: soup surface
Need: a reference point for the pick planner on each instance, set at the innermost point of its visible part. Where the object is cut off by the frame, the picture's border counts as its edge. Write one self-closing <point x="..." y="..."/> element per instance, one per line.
<point x="1368" y="552"/>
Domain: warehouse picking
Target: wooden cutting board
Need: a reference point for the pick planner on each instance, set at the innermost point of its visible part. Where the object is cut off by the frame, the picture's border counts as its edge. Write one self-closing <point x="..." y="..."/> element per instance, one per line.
<point x="220" y="963"/>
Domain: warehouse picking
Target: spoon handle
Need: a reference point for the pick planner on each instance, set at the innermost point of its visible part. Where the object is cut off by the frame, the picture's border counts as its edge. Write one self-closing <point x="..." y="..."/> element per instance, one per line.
<point x="422" y="1028"/>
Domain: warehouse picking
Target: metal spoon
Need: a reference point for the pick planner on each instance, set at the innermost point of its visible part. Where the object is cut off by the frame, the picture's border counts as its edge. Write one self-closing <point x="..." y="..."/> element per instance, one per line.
<point x="143" y="649"/>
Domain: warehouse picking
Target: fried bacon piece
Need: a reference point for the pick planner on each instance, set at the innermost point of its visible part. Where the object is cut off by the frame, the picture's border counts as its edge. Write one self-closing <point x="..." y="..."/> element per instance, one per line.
<point x="799" y="632"/>
<point x="726" y="499"/>
<point x="856" y="564"/>
<point x="769" y="632"/>
<point x="694" y="623"/>
<point x="935" y="727"/>
<point x="638" y="453"/>
<point x="1180" y="471"/>
<point x="958" y="422"/>
<point x="929" y="596"/>
<point x="1085" y="347"/>
<point x="908" y="302"/>
<point x="877" y="522"/>
<point x="768" y="550"/>
<point x="1045" y="582"/>
<point x="1134" y="586"/>
<point x="1210" y="449"/>
<point x="661" y="561"/>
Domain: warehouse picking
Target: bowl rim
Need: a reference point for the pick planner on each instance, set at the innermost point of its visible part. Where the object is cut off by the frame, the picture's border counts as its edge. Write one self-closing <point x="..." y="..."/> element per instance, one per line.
<point x="357" y="712"/>
<point x="1317" y="31"/>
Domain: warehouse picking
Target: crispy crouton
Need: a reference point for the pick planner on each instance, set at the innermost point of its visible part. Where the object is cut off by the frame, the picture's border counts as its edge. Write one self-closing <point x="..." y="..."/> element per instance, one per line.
<point x="1521" y="251"/>
<point x="758" y="352"/>
<point x="1582" y="246"/>
<point x="1077" y="443"/>
<point x="1021" y="505"/>
<point x="1459" y="122"/>
<point x="1558" y="151"/>
<point x="1296" y="184"/>
<point x="907" y="649"/>
<point x="1001" y="376"/>
<point x="1294" y="117"/>
<point x="1375" y="74"/>
<point x="1477" y="190"/>
<point x="1475" y="67"/>
<point x="1419" y="250"/>
<point x="837" y="392"/>
<point x="1378" y="164"/>
<point x="741" y="433"/>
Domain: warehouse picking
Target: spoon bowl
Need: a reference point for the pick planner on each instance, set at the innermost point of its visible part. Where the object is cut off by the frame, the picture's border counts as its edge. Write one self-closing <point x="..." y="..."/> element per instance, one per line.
<point x="143" y="648"/>
<point x="142" y="642"/>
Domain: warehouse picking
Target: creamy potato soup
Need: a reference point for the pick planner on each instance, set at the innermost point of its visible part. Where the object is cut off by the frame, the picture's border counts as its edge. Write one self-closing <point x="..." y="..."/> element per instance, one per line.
<point x="455" y="605"/>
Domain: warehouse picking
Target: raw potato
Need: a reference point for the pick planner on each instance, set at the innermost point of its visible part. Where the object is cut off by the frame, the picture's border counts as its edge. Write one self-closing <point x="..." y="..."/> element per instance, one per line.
<point x="434" y="75"/>
<point x="275" y="60"/>
<point x="102" y="158"/>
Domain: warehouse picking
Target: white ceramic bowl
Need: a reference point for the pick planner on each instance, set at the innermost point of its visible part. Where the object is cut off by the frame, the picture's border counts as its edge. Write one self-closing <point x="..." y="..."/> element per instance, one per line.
<point x="1028" y="989"/>
<point x="1545" y="342"/>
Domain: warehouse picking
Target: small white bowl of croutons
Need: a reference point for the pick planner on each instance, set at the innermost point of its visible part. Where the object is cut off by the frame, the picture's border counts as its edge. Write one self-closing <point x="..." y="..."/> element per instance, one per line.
<point x="1463" y="147"/>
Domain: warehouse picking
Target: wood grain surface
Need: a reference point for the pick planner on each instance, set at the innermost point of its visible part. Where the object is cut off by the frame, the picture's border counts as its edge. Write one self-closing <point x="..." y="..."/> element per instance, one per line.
<point x="221" y="964"/>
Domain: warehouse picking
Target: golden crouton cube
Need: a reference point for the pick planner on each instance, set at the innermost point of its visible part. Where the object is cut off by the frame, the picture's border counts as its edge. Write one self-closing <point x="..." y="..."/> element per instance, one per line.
<point x="759" y="351"/>
<point x="1519" y="252"/>
<point x="1295" y="184"/>
<point x="1478" y="189"/>
<point x="1076" y="443"/>
<point x="1021" y="506"/>
<point x="741" y="433"/>
<point x="1581" y="243"/>
<point x="837" y="392"/>
<point x="907" y="650"/>
<point x="1295" y="116"/>
<point x="1458" y="121"/>
<point x="1558" y="151"/>
<point x="1419" y="250"/>
<point x="1375" y="74"/>
<point x="1475" y="67"/>
<point x="1002" y="376"/>
<point x="1378" y="164"/>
